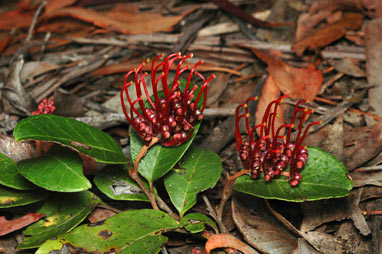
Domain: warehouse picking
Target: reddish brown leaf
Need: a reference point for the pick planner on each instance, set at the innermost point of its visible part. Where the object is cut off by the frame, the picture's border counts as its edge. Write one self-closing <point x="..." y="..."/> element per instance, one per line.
<point x="53" y="5"/>
<point x="100" y="214"/>
<point x="125" y="21"/>
<point x="227" y="240"/>
<point x="15" y="19"/>
<point x="8" y="226"/>
<point x="296" y="82"/>
<point x="4" y="42"/>
<point x="270" y="93"/>
<point x="329" y="33"/>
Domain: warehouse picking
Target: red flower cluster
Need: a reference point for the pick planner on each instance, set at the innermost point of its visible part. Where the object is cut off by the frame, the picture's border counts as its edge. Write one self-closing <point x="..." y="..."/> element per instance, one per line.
<point x="45" y="107"/>
<point x="171" y="116"/>
<point x="273" y="152"/>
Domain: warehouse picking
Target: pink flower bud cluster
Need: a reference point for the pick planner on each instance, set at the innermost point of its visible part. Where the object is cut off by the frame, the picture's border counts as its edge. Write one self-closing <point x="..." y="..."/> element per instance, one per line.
<point x="272" y="152"/>
<point x="45" y="107"/>
<point x="171" y="115"/>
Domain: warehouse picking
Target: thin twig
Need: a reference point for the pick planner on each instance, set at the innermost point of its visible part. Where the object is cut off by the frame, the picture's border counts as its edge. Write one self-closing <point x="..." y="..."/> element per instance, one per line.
<point x="33" y="24"/>
<point x="134" y="172"/>
<point x="212" y="213"/>
<point x="162" y="205"/>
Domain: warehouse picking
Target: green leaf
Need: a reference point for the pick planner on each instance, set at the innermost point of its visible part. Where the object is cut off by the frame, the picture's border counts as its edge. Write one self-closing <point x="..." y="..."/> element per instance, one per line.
<point x="60" y="170"/>
<point x="200" y="171"/>
<point x="159" y="159"/>
<point x="115" y="182"/>
<point x="63" y="212"/>
<point x="194" y="222"/>
<point x="13" y="198"/>
<point x="10" y="176"/>
<point x="69" y="132"/>
<point x="134" y="231"/>
<point x="322" y="177"/>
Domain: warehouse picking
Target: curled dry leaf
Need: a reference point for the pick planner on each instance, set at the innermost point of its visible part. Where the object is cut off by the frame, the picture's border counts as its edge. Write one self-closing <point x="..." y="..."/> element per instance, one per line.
<point x="329" y="33"/>
<point x="16" y="150"/>
<point x="296" y="82"/>
<point x="8" y="226"/>
<point x="227" y="240"/>
<point x="121" y="21"/>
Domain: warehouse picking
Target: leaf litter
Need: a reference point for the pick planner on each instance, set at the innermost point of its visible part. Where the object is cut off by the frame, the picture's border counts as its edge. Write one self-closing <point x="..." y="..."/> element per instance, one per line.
<point x="82" y="48"/>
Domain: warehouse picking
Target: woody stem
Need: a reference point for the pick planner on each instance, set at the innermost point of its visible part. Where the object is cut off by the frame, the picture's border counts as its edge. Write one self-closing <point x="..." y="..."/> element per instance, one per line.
<point x="227" y="191"/>
<point x="134" y="173"/>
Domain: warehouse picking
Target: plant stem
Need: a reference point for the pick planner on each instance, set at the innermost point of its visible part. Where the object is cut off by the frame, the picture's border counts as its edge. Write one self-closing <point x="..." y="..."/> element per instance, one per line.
<point x="134" y="173"/>
<point x="227" y="191"/>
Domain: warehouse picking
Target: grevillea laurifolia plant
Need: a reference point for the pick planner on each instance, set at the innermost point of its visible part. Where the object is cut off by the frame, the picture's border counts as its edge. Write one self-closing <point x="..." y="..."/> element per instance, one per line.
<point x="164" y="118"/>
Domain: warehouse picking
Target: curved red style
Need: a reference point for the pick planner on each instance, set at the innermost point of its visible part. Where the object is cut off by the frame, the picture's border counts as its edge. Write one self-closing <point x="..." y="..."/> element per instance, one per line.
<point x="272" y="152"/>
<point x="170" y="115"/>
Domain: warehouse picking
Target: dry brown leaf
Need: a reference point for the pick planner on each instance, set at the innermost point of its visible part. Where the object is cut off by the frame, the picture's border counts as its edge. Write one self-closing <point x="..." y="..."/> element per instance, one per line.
<point x="35" y="68"/>
<point x="121" y="21"/>
<point x="64" y="26"/>
<point x="8" y="226"/>
<point x="319" y="212"/>
<point x="349" y="67"/>
<point x="228" y="240"/>
<point x="305" y="248"/>
<point x="329" y="33"/>
<point x="307" y="21"/>
<point x="362" y="178"/>
<point x="124" y="67"/>
<point x="259" y="227"/>
<point x="364" y="151"/>
<point x="100" y="214"/>
<point x="296" y="82"/>
<point x="15" y="19"/>
<point x="53" y="5"/>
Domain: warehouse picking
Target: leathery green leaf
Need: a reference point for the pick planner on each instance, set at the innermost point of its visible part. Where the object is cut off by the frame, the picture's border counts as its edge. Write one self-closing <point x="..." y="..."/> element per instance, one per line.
<point x="10" y="176"/>
<point x="63" y="212"/>
<point x="12" y="198"/>
<point x="159" y="159"/>
<point x="60" y="170"/>
<point x="69" y="132"/>
<point x="199" y="170"/>
<point x="133" y="231"/>
<point x="114" y="181"/>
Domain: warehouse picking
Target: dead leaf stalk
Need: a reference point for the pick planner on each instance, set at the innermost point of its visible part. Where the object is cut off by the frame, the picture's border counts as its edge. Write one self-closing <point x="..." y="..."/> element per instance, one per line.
<point x="227" y="191"/>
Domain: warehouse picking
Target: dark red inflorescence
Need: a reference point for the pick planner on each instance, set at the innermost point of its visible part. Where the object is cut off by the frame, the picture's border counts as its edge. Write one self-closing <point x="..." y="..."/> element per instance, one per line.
<point x="272" y="152"/>
<point x="45" y="107"/>
<point x="170" y="117"/>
